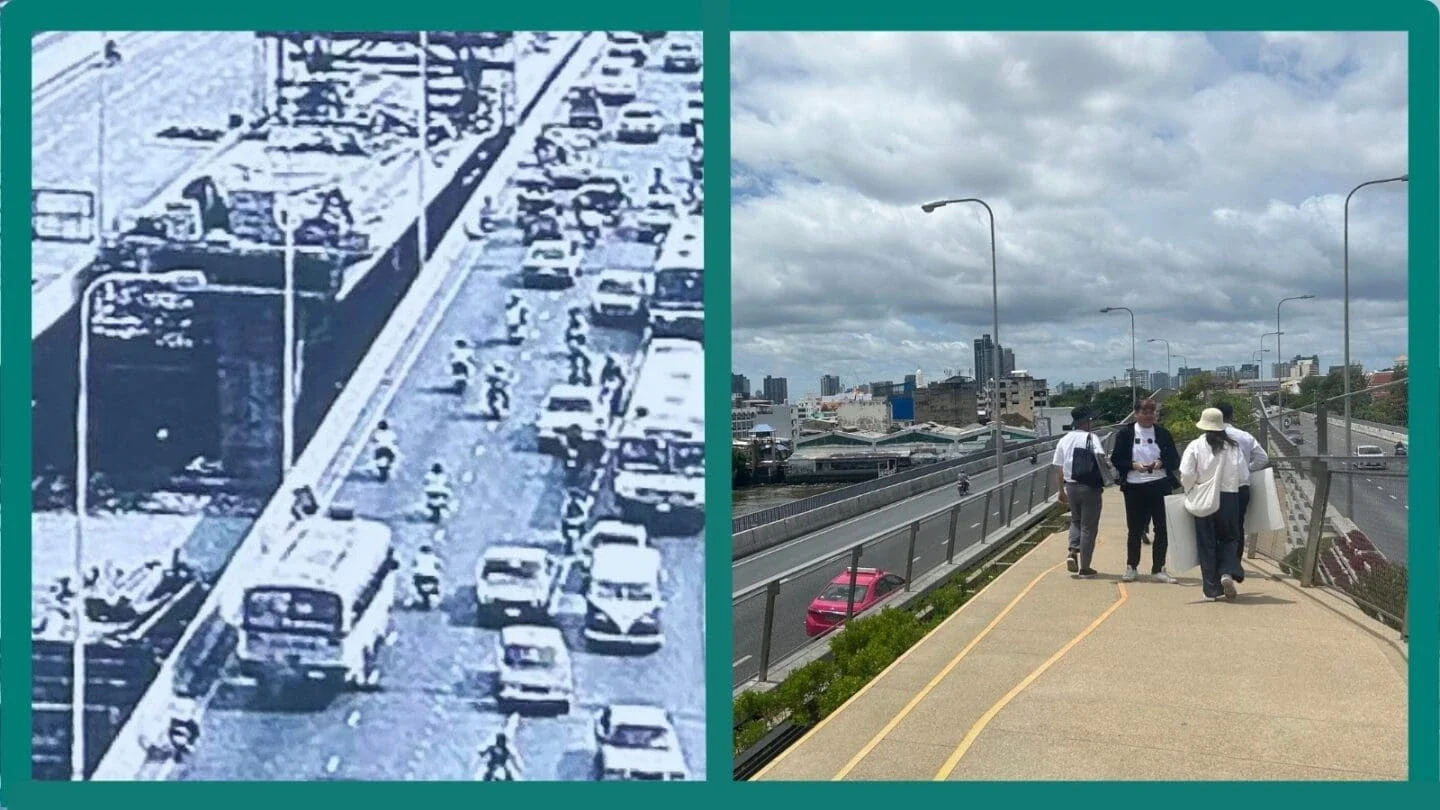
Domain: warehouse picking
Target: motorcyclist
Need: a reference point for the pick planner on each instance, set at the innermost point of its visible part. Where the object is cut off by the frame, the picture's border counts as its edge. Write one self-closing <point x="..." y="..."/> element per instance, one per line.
<point x="580" y="367"/>
<point x="387" y="443"/>
<point x="612" y="371"/>
<point x="437" y="482"/>
<point x="575" y="331"/>
<point x="657" y="183"/>
<point x="500" y="761"/>
<point x="498" y="378"/>
<point x="1400" y="449"/>
<point x="572" y="517"/>
<point x="112" y="53"/>
<point x="963" y="482"/>
<point x="427" y="569"/>
<point x="183" y="729"/>
<point x="517" y="316"/>
<point x="487" y="214"/>
<point x="462" y="358"/>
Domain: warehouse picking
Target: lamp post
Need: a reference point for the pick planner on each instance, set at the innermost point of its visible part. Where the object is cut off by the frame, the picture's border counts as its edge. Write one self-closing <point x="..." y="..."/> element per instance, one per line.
<point x="1262" y="345"/>
<point x="1134" y="399"/>
<point x="1167" y="357"/>
<point x="1350" y="486"/>
<point x="101" y="132"/>
<point x="179" y="280"/>
<point x="1279" y="357"/>
<point x="929" y="208"/>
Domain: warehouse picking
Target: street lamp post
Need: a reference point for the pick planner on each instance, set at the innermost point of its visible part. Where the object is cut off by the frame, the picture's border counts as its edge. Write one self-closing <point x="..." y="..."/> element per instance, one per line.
<point x="1134" y="399"/>
<point x="1350" y="486"/>
<point x="182" y="280"/>
<point x="1167" y="357"/>
<point x="1279" y="357"/>
<point x="101" y="132"/>
<point x="995" y="346"/>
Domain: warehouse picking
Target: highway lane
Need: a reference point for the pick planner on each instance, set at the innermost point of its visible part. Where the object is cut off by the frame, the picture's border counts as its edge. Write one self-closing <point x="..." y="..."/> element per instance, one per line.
<point x="166" y="77"/>
<point x="796" y="593"/>
<point x="1382" y="506"/>
<point x="435" y="709"/>
<point x="770" y="563"/>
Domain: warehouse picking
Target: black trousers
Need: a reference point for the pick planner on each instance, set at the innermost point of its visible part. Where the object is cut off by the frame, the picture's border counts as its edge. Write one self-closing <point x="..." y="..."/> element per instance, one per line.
<point x="1240" y="548"/>
<point x="1144" y="505"/>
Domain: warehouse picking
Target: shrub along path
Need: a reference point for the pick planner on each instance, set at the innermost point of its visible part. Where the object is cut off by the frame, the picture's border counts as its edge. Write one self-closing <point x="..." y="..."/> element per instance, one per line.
<point x="1044" y="676"/>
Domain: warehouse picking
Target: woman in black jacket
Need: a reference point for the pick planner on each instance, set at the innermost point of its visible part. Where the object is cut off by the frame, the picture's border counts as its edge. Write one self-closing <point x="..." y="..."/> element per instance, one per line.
<point x="1148" y="464"/>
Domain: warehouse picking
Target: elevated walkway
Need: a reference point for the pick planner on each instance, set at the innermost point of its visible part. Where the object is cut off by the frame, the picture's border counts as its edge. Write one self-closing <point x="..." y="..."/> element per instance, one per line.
<point x="1043" y="676"/>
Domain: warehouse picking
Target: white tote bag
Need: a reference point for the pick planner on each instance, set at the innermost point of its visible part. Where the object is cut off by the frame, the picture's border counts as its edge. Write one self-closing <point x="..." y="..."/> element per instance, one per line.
<point x="1182" y="555"/>
<point x="1264" y="514"/>
<point x="1203" y="500"/>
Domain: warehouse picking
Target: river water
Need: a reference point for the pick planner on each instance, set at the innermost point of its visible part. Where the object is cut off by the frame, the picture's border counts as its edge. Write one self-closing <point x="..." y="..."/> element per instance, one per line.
<point x="752" y="499"/>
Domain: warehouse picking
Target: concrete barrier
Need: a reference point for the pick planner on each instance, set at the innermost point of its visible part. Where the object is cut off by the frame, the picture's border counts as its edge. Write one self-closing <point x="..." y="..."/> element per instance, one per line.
<point x="1385" y="433"/>
<point x="327" y="459"/>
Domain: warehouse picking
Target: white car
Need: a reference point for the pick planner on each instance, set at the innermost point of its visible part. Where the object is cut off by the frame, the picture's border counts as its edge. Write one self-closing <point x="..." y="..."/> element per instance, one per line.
<point x="692" y="114"/>
<point x="660" y="212"/>
<point x="550" y="263"/>
<point x="1370" y="457"/>
<point x="639" y="743"/>
<point x="567" y="407"/>
<point x="627" y="45"/>
<point x="571" y="175"/>
<point x="617" y="83"/>
<point x="620" y="295"/>
<point x="639" y="122"/>
<point x="676" y="347"/>
<point x="680" y="57"/>
<point x="534" y="668"/>
<point x="623" y="602"/>
<point x="612" y="532"/>
<point x="515" y="582"/>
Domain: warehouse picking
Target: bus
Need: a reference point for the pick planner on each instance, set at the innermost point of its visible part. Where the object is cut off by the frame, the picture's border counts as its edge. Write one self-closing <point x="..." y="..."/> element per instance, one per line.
<point x="677" y="304"/>
<point x="319" y="611"/>
<point x="659" y="450"/>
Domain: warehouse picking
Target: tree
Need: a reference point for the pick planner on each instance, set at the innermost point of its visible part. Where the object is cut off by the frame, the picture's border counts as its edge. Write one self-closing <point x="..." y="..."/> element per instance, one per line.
<point x="740" y="467"/>
<point x="1070" y="399"/>
<point x="1114" y="404"/>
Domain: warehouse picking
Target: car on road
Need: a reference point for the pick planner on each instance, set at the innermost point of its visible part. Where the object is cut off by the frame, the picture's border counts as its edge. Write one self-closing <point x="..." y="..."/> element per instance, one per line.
<point x="570" y="175"/>
<point x="617" y="83"/>
<point x="639" y="122"/>
<point x="584" y="109"/>
<point x="636" y="742"/>
<point x="692" y="114"/>
<point x="604" y="191"/>
<point x="567" y="407"/>
<point x="872" y="586"/>
<point x="1370" y="457"/>
<point x="534" y="669"/>
<point x="542" y="228"/>
<point x="627" y="45"/>
<point x="515" y="582"/>
<point x="654" y="220"/>
<point x="529" y="201"/>
<point x="674" y="346"/>
<point x="619" y="296"/>
<point x="612" y="532"/>
<point x="553" y="263"/>
<point x="678" y="56"/>
<point x="623" y="602"/>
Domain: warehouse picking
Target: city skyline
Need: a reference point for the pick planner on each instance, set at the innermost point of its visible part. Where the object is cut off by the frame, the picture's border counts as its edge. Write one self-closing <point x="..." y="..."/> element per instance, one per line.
<point x="1122" y="173"/>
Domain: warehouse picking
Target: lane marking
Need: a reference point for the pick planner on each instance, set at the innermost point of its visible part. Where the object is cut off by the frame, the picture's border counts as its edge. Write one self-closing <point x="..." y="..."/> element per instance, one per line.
<point x="354" y="719"/>
<point x="974" y="525"/>
<point x="332" y="764"/>
<point x="935" y="681"/>
<point x="741" y="660"/>
<point x="974" y="733"/>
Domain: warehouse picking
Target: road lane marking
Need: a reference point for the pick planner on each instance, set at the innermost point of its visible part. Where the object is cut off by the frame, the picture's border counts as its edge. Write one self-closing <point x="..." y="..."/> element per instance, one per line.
<point x="916" y="559"/>
<point x="742" y="659"/>
<point x="975" y="525"/>
<point x="354" y="719"/>
<point x="468" y="477"/>
<point x="332" y="764"/>
<point x="479" y="450"/>
<point x="934" y="682"/>
<point x="965" y="744"/>
<point x="1392" y="497"/>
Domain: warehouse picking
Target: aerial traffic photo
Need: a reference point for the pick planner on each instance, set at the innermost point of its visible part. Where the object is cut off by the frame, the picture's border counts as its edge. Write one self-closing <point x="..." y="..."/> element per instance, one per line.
<point x="368" y="406"/>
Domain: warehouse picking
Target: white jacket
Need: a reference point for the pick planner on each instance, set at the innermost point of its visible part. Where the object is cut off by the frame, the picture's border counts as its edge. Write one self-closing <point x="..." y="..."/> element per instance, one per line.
<point x="1198" y="463"/>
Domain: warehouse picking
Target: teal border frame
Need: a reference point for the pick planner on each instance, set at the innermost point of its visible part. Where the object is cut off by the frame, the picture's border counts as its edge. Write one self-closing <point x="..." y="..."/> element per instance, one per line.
<point x="1418" y="18"/>
<point x="22" y="18"/>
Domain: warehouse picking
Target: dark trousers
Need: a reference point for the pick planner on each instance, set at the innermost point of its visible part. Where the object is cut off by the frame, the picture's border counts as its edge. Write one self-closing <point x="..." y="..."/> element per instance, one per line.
<point x="1217" y="539"/>
<point x="1244" y="507"/>
<point x="1145" y="505"/>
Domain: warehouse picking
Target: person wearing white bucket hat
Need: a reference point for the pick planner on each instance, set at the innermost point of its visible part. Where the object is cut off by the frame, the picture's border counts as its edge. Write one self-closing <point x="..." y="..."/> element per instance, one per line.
<point x="1216" y="457"/>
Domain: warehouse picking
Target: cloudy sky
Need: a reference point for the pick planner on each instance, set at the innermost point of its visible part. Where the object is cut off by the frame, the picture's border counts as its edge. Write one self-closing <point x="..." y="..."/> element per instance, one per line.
<point x="1197" y="179"/>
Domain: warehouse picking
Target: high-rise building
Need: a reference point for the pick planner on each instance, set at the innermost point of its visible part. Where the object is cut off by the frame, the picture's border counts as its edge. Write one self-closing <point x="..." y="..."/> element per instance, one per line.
<point x="1140" y="376"/>
<point x="1007" y="362"/>
<point x="882" y="389"/>
<point x="949" y="402"/>
<point x="1022" y="394"/>
<point x="739" y="385"/>
<point x="911" y="380"/>
<point x="984" y="359"/>
<point x="1159" y="380"/>
<point x="829" y="385"/>
<point x="776" y="389"/>
<point x="1249" y="371"/>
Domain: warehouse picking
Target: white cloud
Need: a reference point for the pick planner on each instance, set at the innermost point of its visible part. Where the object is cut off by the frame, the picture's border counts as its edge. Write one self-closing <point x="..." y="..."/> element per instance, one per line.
<point x="1196" y="179"/>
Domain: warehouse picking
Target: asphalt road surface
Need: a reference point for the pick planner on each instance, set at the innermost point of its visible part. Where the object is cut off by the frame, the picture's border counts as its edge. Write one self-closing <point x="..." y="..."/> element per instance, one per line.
<point x="436" y="710"/>
<point x="1382" y="506"/>
<point x="834" y="543"/>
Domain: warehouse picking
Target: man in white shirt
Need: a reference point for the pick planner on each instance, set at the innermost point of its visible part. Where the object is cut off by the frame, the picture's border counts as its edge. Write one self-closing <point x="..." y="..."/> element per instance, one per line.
<point x="1080" y="490"/>
<point x="1255" y="458"/>
<point x="1146" y="458"/>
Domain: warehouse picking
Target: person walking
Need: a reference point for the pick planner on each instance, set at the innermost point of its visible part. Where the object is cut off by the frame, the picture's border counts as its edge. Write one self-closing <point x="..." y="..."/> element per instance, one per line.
<point x="1255" y="459"/>
<point x="1148" y="463"/>
<point x="1215" y="459"/>
<point x="1077" y="468"/>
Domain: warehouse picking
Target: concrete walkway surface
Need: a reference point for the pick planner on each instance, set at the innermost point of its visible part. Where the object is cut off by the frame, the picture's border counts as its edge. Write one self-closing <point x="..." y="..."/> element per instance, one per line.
<point x="1043" y="676"/>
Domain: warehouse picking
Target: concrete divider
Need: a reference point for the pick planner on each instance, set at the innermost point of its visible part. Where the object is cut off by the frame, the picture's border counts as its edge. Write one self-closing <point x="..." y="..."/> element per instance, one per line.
<point x="337" y="445"/>
<point x="1386" y="433"/>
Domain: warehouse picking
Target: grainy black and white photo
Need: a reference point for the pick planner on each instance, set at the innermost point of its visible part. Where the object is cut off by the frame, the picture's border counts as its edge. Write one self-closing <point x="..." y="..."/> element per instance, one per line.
<point x="368" y="406"/>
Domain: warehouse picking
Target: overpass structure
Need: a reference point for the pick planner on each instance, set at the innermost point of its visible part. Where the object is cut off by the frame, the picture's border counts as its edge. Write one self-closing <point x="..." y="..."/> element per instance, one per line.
<point x="1045" y="676"/>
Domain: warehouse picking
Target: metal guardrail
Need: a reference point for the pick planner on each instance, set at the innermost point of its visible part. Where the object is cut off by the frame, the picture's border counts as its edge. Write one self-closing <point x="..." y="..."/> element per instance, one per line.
<point x="793" y="508"/>
<point x="769" y="619"/>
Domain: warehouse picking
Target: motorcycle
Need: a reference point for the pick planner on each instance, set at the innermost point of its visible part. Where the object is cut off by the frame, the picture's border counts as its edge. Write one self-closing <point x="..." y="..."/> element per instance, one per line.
<point x="516" y="332"/>
<point x="498" y="401"/>
<point x="501" y="773"/>
<point x="183" y="735"/>
<point x="427" y="592"/>
<point x="437" y="504"/>
<point x="1034" y="459"/>
<point x="459" y="377"/>
<point x="573" y="522"/>
<point x="964" y="489"/>
<point x="384" y="462"/>
<point x="1401" y="451"/>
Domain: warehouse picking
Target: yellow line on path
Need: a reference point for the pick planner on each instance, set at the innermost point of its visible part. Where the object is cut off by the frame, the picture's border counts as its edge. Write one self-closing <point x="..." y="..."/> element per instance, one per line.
<point x="954" y="760"/>
<point x="934" y="682"/>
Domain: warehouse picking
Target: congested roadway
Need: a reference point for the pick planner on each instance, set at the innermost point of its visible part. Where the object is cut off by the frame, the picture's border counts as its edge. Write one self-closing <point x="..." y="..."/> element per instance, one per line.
<point x="830" y="548"/>
<point x="435" y="710"/>
<point x="1382" y="505"/>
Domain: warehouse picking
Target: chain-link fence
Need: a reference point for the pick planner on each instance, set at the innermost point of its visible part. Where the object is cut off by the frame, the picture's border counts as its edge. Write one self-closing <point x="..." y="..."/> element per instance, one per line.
<point x="776" y="619"/>
<point x="1345" y="499"/>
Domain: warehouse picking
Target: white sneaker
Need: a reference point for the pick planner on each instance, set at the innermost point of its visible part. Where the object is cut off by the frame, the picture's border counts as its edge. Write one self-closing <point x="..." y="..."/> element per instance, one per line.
<point x="1228" y="583"/>
<point x="1130" y="573"/>
<point x="1164" y="576"/>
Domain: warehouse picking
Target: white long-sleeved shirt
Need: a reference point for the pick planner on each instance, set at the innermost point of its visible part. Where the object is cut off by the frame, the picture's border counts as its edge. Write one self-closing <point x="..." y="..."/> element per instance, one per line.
<point x="1198" y="463"/>
<point x="1255" y="456"/>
